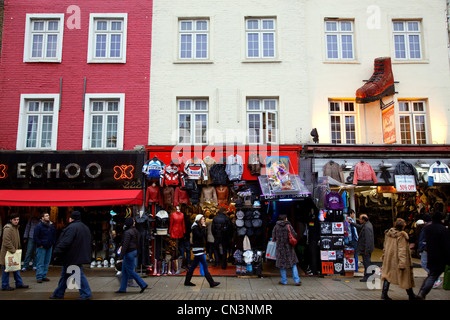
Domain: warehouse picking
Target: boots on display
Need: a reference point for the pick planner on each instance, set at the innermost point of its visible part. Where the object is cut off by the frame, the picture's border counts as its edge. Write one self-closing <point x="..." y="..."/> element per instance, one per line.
<point x="187" y="280"/>
<point x="380" y="84"/>
<point x="210" y="280"/>
<point x="384" y="291"/>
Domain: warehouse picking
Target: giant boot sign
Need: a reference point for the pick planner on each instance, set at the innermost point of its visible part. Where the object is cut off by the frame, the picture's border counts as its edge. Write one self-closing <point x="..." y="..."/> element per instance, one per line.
<point x="380" y="84"/>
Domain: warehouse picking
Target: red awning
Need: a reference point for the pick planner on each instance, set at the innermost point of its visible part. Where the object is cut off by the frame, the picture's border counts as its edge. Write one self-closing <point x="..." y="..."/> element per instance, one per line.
<point x="65" y="198"/>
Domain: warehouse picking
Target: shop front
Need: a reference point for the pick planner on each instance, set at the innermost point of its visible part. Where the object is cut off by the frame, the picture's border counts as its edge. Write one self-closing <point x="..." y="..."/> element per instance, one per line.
<point x="103" y="186"/>
<point x="384" y="182"/>
<point x="253" y="183"/>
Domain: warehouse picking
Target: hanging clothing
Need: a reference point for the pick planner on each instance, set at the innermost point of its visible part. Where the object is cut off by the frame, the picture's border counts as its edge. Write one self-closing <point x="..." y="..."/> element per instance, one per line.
<point x="255" y="163"/>
<point x="153" y="167"/>
<point x="181" y="196"/>
<point x="171" y="176"/>
<point x="144" y="228"/>
<point x="209" y="162"/>
<point x="407" y="169"/>
<point x="168" y="196"/>
<point x="234" y="167"/>
<point x="440" y="172"/>
<point x="334" y="201"/>
<point x="177" y="226"/>
<point x="218" y="174"/>
<point x="208" y="194"/>
<point x="364" y="172"/>
<point x="195" y="169"/>
<point x="222" y="194"/>
<point x="333" y="170"/>
<point x="153" y="195"/>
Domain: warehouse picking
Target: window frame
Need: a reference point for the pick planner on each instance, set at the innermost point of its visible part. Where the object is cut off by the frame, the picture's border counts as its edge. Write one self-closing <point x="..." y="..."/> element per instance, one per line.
<point x="109" y="17"/>
<point x="260" y="31"/>
<point x="88" y="114"/>
<point x="28" y="39"/>
<point x="265" y="133"/>
<point x="22" y="128"/>
<point x="412" y="121"/>
<point x="192" y="113"/>
<point x="339" y="34"/>
<point x="194" y="33"/>
<point x="406" y="35"/>
<point x="343" y="114"/>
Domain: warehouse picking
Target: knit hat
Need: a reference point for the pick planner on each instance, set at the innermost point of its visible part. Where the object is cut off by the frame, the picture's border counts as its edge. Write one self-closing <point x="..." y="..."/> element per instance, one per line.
<point x="76" y="215"/>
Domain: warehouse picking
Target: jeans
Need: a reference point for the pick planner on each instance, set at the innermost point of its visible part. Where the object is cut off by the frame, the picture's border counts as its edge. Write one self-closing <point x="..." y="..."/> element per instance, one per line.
<point x="128" y="266"/>
<point x="31" y="252"/>
<point x="43" y="257"/>
<point x="427" y="284"/>
<point x="295" y="276"/>
<point x="85" y="290"/>
<point x="5" y="278"/>
<point x="199" y="259"/>
<point x="185" y="250"/>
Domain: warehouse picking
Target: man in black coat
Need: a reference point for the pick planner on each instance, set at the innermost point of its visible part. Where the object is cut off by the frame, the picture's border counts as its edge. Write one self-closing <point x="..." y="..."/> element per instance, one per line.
<point x="437" y="238"/>
<point x="72" y="250"/>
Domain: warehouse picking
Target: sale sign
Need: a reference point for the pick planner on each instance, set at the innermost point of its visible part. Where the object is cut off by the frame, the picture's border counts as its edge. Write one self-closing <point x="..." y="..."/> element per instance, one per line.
<point x="405" y="183"/>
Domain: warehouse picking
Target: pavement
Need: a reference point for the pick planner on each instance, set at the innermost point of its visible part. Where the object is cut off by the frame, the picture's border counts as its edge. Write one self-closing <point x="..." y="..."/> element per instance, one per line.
<point x="104" y="283"/>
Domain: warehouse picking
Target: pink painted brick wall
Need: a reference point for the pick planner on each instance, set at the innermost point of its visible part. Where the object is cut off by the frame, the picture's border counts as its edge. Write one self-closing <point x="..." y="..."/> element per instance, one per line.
<point x="131" y="78"/>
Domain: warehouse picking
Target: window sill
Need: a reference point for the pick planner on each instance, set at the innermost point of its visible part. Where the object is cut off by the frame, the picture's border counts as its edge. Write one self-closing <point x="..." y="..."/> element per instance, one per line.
<point x="193" y="62"/>
<point x="341" y="62"/>
<point x="424" y="61"/>
<point x="261" y="61"/>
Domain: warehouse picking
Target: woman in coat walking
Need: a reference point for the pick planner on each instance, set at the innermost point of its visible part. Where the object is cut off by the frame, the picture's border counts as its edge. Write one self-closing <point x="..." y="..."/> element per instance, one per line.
<point x="397" y="263"/>
<point x="199" y="235"/>
<point x="285" y="253"/>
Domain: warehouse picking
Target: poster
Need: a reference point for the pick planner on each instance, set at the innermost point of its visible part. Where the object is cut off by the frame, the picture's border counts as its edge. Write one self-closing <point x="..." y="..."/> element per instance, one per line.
<point x="388" y="117"/>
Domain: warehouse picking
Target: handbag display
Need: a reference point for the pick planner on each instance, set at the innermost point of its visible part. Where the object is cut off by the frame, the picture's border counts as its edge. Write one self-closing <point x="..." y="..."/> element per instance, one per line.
<point x="12" y="260"/>
<point x="292" y="240"/>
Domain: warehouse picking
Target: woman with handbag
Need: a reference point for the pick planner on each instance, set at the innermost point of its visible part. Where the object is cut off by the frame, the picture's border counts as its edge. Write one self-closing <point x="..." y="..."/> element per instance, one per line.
<point x="285" y="253"/>
<point x="11" y="243"/>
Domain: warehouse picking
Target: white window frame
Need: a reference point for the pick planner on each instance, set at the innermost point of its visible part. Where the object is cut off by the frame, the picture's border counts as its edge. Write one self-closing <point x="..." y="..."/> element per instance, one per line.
<point x="23" y="120"/>
<point x="193" y="110"/>
<point x="339" y="33"/>
<point x="343" y="115"/>
<point x="265" y="134"/>
<point x="88" y="113"/>
<point x="260" y="31"/>
<point x="406" y="33"/>
<point x="194" y="33"/>
<point x="108" y="17"/>
<point x="412" y="119"/>
<point x="28" y="42"/>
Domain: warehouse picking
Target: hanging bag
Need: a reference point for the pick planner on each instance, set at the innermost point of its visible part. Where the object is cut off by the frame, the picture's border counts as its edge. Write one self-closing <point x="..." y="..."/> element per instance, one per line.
<point x="292" y="240"/>
<point x="271" y="249"/>
<point x="12" y="261"/>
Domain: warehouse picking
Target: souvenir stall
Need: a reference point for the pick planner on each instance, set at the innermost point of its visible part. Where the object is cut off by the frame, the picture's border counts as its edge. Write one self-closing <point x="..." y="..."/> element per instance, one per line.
<point x="196" y="181"/>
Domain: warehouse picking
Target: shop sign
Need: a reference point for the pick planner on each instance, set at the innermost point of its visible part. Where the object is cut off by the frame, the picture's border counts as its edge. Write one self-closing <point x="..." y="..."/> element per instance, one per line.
<point x="404" y="183"/>
<point x="71" y="170"/>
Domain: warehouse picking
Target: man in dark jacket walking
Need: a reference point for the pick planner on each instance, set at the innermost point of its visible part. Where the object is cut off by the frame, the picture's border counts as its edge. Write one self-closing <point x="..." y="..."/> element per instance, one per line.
<point x="221" y="229"/>
<point x="437" y="238"/>
<point x="365" y="243"/>
<point x="44" y="238"/>
<point x="72" y="250"/>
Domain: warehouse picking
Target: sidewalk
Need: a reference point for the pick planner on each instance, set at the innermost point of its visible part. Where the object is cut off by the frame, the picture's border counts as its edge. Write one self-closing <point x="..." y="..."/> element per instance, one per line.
<point x="103" y="283"/>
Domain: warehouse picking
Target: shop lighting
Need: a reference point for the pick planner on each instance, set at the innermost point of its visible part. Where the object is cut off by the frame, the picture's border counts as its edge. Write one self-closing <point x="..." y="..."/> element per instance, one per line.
<point x="385" y="165"/>
<point x="423" y="164"/>
<point x="346" y="165"/>
<point x="289" y="199"/>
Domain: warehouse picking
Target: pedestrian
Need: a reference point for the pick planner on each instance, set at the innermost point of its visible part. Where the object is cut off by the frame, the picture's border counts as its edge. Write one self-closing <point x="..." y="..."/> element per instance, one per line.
<point x="44" y="238"/>
<point x="365" y="243"/>
<point x="397" y="265"/>
<point x="285" y="253"/>
<point x="128" y="255"/>
<point x="73" y="249"/>
<point x="28" y="238"/>
<point x="353" y="235"/>
<point x="11" y="243"/>
<point x="437" y="239"/>
<point x="199" y="235"/>
<point x="422" y="246"/>
<point x="222" y="231"/>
